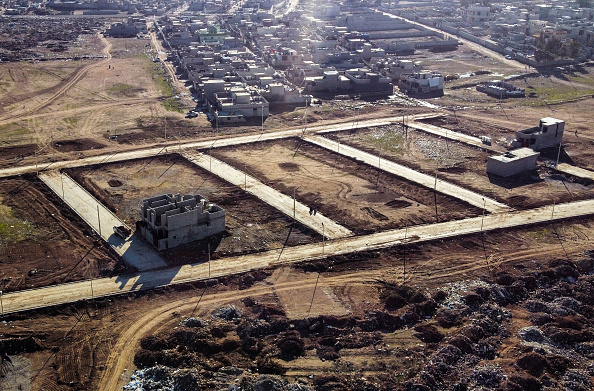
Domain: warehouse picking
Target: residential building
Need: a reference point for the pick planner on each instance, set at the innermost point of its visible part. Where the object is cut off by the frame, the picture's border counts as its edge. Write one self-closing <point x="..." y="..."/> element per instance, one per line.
<point x="422" y="84"/>
<point x="513" y="162"/>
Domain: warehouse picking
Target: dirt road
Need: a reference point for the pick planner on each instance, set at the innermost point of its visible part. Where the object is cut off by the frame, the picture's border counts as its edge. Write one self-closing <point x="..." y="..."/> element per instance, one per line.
<point x="161" y="317"/>
<point x="59" y="294"/>
<point x="64" y="86"/>
<point x="452" y="135"/>
<point x="428" y="181"/>
<point x="133" y="250"/>
<point x="576" y="171"/>
<point x="289" y="206"/>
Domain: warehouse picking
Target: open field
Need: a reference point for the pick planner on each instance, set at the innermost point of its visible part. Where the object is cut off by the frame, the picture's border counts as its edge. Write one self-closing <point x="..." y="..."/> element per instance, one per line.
<point x="252" y="225"/>
<point x="353" y="194"/>
<point x="42" y="242"/>
<point x="464" y="165"/>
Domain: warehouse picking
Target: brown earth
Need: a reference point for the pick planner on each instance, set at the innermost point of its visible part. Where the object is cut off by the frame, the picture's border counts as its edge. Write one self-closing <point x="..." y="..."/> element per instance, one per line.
<point x="465" y="165"/>
<point x="353" y="194"/>
<point x="251" y="225"/>
<point x="42" y="242"/>
<point x="109" y="331"/>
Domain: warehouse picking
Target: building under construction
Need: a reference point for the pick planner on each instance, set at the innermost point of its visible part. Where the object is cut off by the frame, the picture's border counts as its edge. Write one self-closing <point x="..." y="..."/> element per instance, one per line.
<point x="170" y="220"/>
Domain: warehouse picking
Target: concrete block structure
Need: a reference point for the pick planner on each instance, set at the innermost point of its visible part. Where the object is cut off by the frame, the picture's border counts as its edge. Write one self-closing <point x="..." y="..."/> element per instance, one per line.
<point x="513" y="162"/>
<point x="422" y="84"/>
<point x="548" y="133"/>
<point x="170" y="220"/>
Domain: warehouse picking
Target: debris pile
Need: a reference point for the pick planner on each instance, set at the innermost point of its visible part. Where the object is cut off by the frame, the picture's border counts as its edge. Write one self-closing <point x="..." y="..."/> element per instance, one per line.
<point x="42" y="37"/>
<point x="466" y="340"/>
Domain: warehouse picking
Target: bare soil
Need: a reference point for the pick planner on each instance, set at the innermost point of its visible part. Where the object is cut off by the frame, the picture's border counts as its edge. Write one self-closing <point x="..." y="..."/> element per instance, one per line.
<point x="355" y="195"/>
<point x="466" y="166"/>
<point x="251" y="225"/>
<point x="43" y="242"/>
<point x="78" y="343"/>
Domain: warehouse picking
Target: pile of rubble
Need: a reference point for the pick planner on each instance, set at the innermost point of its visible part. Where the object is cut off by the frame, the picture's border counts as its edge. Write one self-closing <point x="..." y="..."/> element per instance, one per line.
<point x="462" y="327"/>
<point x="36" y="38"/>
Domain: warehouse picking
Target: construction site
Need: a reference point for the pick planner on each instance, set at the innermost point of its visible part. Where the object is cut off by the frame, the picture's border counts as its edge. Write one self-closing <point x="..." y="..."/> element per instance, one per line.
<point x="364" y="244"/>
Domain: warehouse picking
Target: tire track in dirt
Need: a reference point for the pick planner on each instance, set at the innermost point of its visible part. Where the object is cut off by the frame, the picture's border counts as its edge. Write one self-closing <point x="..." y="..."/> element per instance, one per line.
<point x="65" y="113"/>
<point x="68" y="83"/>
<point x="124" y="349"/>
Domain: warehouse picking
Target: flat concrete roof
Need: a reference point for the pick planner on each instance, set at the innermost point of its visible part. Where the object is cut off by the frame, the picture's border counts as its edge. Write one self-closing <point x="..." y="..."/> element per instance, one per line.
<point x="516" y="154"/>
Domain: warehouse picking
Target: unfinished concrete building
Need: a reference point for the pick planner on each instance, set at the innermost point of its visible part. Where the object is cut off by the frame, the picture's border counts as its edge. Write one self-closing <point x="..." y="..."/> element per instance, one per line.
<point x="170" y="220"/>
<point x="513" y="162"/>
<point x="548" y="133"/>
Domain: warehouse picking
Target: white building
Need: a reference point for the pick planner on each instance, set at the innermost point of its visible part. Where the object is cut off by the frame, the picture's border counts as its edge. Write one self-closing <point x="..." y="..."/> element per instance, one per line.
<point x="477" y="14"/>
<point x="425" y="83"/>
<point x="331" y="81"/>
<point x="238" y="104"/>
<point x="548" y="134"/>
<point x="513" y="162"/>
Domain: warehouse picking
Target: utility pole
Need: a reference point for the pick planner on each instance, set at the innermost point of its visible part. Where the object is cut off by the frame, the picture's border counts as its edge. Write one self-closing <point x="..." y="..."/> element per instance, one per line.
<point x="209" y="260"/>
<point x="294" y="203"/>
<point x="435" y="193"/>
<point x="323" y="235"/>
<point x="92" y="293"/>
<point x="558" y="155"/>
<point x="482" y="233"/>
<point x="99" y="220"/>
<point x="404" y="255"/>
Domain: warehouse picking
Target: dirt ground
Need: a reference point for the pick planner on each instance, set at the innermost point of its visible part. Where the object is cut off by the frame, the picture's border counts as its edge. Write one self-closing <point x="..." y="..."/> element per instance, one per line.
<point x="77" y="344"/>
<point x="465" y="165"/>
<point x="78" y="107"/>
<point x="353" y="194"/>
<point x="251" y="225"/>
<point x="42" y="242"/>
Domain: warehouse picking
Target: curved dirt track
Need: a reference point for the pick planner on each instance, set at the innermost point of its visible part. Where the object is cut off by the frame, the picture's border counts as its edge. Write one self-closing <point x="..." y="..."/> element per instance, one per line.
<point x="64" y="86"/>
<point x="122" y="354"/>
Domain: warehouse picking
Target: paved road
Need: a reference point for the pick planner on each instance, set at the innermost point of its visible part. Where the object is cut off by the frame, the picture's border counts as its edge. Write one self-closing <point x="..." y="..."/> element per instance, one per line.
<point x="428" y="181"/>
<point x="576" y="171"/>
<point x="287" y="205"/>
<point x="66" y="293"/>
<point x="220" y="142"/>
<point x="475" y="46"/>
<point x="133" y="250"/>
<point x="453" y="135"/>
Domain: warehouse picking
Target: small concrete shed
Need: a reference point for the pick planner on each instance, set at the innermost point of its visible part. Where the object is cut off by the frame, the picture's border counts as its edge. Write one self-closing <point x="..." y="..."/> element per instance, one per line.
<point x="513" y="162"/>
